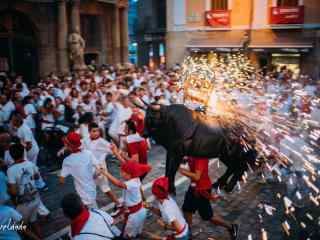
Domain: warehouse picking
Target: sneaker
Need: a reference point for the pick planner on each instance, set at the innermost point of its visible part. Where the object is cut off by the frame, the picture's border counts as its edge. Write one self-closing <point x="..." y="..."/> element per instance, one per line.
<point x="44" y="188"/>
<point x="234" y="231"/>
<point x="116" y="211"/>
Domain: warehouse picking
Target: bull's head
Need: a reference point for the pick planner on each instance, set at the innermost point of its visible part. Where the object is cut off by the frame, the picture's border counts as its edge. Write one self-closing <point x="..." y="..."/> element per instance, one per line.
<point x="153" y="120"/>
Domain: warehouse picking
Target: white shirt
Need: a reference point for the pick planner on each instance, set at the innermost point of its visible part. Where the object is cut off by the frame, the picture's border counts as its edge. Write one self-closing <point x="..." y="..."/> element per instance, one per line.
<point x="29" y="110"/>
<point x="310" y="89"/>
<point x="84" y="131"/>
<point x="5" y="112"/>
<point x="25" y="91"/>
<point x="109" y="109"/>
<point x="61" y="109"/>
<point x="81" y="167"/>
<point x="137" y="82"/>
<point x="122" y="114"/>
<point x="97" y="224"/>
<point x="98" y="78"/>
<point x="99" y="148"/>
<point x="15" y="172"/>
<point x="90" y="107"/>
<point x="146" y="99"/>
<point x="170" y="212"/>
<point x="132" y="195"/>
<point x="25" y="134"/>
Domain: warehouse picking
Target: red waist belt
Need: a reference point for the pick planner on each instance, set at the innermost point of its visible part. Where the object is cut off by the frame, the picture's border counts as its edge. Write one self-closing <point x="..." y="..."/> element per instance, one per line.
<point x="173" y="236"/>
<point x="181" y="230"/>
<point x="135" y="208"/>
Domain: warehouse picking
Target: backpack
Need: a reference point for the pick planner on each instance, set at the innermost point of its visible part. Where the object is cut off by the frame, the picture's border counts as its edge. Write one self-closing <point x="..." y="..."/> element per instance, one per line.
<point x="115" y="237"/>
<point x="26" y="188"/>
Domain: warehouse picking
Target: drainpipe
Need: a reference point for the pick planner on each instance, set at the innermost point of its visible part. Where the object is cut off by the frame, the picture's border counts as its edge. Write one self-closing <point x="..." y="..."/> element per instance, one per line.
<point x="249" y="31"/>
<point x="248" y="34"/>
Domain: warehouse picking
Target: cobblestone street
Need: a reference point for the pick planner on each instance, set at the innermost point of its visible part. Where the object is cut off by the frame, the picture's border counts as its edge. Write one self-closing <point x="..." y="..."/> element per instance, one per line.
<point x="240" y="206"/>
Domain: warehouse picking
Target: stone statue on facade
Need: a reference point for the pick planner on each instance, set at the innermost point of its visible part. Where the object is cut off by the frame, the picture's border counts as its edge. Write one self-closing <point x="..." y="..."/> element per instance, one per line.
<point x="76" y="48"/>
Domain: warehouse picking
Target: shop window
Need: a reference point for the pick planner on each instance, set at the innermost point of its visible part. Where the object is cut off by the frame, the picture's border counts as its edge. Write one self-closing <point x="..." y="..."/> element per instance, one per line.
<point x="288" y="3"/>
<point x="219" y="4"/>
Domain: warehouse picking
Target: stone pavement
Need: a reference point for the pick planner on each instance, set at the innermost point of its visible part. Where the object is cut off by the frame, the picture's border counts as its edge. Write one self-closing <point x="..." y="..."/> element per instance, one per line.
<point x="240" y="206"/>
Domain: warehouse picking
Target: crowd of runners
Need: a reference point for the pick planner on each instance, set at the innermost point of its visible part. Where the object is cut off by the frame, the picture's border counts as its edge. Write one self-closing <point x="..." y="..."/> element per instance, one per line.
<point x="77" y="122"/>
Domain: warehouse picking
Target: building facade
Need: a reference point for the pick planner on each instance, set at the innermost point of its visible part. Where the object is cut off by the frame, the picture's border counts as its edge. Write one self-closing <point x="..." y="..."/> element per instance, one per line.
<point x="278" y="32"/>
<point x="151" y="31"/>
<point x="34" y="33"/>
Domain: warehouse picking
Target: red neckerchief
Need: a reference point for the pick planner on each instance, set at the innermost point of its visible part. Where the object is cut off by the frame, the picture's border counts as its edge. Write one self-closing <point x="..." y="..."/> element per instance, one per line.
<point x="20" y="161"/>
<point x="78" y="223"/>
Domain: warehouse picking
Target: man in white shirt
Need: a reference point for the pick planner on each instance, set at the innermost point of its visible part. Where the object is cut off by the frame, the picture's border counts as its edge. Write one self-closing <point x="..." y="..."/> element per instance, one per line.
<point x="92" y="224"/>
<point x="109" y="110"/>
<point x="122" y="114"/>
<point x="24" y="133"/>
<point x="30" y="111"/>
<point x="21" y="181"/>
<point x="100" y="148"/>
<point x="80" y="165"/>
<point x="6" y="108"/>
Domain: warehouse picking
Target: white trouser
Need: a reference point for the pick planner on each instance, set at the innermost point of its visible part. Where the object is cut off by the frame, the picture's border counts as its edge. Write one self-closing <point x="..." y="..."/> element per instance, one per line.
<point x="42" y="209"/>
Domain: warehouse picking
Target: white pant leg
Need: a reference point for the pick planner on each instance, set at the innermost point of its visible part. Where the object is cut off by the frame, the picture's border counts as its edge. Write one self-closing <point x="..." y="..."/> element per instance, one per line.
<point x="134" y="225"/>
<point x="42" y="209"/>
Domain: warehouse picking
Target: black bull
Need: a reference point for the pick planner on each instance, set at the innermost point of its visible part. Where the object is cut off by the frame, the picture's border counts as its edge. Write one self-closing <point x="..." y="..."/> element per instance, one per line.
<point x="184" y="132"/>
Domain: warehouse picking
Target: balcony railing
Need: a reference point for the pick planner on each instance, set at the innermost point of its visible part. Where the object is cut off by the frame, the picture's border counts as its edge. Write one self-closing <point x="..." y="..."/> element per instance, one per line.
<point x="286" y="15"/>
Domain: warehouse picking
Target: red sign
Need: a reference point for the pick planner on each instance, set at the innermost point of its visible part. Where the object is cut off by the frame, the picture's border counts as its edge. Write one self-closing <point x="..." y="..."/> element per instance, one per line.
<point x="287" y="15"/>
<point x="218" y="18"/>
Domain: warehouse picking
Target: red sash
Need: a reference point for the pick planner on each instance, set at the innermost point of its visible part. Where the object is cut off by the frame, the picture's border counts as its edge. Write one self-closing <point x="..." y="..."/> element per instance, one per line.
<point x="173" y="236"/>
<point x="135" y="208"/>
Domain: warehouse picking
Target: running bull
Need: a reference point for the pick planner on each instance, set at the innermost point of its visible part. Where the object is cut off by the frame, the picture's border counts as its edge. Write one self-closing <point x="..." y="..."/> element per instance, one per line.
<point x="184" y="132"/>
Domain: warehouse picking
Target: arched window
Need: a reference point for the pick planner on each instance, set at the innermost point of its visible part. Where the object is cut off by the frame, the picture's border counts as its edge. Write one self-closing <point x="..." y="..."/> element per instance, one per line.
<point x="219" y="4"/>
<point x="288" y="3"/>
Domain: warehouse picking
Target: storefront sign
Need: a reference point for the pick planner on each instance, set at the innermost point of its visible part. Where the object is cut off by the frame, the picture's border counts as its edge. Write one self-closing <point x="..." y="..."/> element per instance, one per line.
<point x="218" y="18"/>
<point x="287" y="15"/>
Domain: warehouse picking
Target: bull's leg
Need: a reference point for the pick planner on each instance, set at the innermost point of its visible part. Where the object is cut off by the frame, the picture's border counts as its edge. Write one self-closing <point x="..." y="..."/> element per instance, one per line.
<point x="172" y="165"/>
<point x="222" y="181"/>
<point x="235" y="178"/>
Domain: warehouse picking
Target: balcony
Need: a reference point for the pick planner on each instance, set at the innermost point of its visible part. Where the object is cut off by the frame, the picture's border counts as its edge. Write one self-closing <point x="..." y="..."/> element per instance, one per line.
<point x="286" y="16"/>
<point x="218" y="18"/>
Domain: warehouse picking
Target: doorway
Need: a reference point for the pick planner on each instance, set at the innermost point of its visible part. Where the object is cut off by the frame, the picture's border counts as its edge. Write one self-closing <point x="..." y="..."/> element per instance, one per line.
<point x="19" y="45"/>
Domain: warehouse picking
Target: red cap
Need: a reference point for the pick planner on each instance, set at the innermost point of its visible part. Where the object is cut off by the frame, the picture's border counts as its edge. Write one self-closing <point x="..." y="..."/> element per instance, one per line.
<point x="73" y="141"/>
<point x="160" y="187"/>
<point x="135" y="169"/>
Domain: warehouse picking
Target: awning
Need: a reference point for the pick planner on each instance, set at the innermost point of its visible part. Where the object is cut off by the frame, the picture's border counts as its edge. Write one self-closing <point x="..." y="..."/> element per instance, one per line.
<point x="224" y="41"/>
<point x="279" y="41"/>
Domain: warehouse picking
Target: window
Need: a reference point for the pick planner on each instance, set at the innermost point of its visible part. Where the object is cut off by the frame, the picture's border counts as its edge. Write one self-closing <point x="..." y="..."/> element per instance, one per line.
<point x="219" y="4"/>
<point x="90" y="30"/>
<point x="288" y="3"/>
